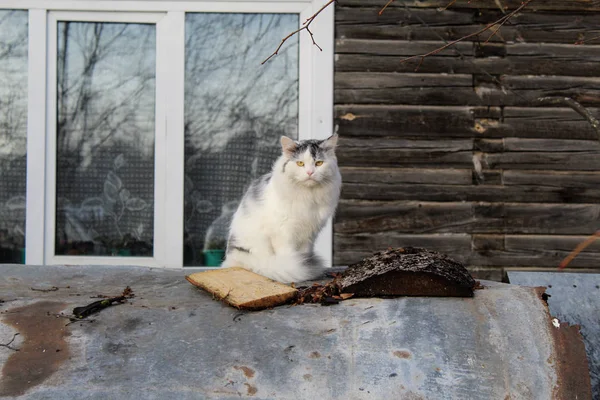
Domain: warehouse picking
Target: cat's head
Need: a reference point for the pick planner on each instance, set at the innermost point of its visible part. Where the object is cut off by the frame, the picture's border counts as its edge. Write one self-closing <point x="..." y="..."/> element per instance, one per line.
<point x="310" y="162"/>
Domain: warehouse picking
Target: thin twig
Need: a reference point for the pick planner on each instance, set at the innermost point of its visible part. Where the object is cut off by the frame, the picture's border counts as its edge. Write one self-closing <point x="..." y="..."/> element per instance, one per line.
<point x="582" y="41"/>
<point x="498" y="23"/>
<point x="495" y="31"/>
<point x="579" y="249"/>
<point x="8" y="345"/>
<point x="449" y="5"/>
<point x="581" y="110"/>
<point x="391" y="1"/>
<point x="306" y="27"/>
<point x="477" y="67"/>
<point x="386" y="6"/>
<point x="52" y="289"/>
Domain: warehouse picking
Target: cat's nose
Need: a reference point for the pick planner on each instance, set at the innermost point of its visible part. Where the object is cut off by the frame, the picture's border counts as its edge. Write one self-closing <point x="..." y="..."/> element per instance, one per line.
<point x="310" y="172"/>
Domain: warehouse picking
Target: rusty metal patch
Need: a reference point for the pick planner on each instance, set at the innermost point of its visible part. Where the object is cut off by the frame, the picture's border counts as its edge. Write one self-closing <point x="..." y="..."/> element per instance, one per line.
<point x="570" y="360"/>
<point x="43" y="349"/>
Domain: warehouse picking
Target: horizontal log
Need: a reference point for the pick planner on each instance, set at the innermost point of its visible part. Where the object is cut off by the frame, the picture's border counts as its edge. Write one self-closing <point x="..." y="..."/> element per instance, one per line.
<point x="489" y="145"/>
<point x="486" y="193"/>
<point x="514" y="65"/>
<point x="461" y="89"/>
<point x="562" y="52"/>
<point x="349" y="249"/>
<point x="549" y="83"/>
<point x="561" y="243"/>
<point x="511" y="90"/>
<point x="555" y="123"/>
<point x="400" y="16"/>
<point x="355" y="55"/>
<point x="411" y="121"/>
<point x="392" y="152"/>
<point x="538" y="251"/>
<point x="553" y="5"/>
<point x="441" y="176"/>
<point x="580" y="161"/>
<point x="405" y="144"/>
<point x="368" y="80"/>
<point x="368" y="216"/>
<point x="559" y="179"/>
<point x="455" y="23"/>
<point x="507" y="34"/>
<point x="487" y="177"/>
<point x="355" y="216"/>
<point x="522" y="218"/>
<point x="399" y="47"/>
<point x="550" y="145"/>
<point x="387" y="88"/>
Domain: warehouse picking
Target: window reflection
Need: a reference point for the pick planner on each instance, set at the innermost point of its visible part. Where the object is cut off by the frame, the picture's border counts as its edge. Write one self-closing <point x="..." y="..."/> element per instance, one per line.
<point x="105" y="139"/>
<point x="13" y="134"/>
<point x="235" y="111"/>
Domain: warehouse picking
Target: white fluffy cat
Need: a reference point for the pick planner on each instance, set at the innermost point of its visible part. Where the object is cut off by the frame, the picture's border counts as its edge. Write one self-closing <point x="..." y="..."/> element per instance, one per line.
<point x="275" y="226"/>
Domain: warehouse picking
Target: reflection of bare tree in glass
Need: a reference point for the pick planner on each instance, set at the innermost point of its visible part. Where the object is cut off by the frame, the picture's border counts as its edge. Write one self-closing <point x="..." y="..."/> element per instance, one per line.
<point x="235" y="112"/>
<point x="105" y="98"/>
<point x="13" y="133"/>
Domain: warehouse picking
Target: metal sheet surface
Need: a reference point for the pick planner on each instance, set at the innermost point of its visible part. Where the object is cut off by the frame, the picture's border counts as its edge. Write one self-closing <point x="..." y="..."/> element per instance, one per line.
<point x="175" y="342"/>
<point x="574" y="298"/>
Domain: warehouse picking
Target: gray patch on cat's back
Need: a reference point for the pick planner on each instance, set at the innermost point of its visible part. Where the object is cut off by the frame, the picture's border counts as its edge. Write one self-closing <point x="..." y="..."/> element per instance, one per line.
<point x="314" y="261"/>
<point x="233" y="244"/>
<point x="257" y="187"/>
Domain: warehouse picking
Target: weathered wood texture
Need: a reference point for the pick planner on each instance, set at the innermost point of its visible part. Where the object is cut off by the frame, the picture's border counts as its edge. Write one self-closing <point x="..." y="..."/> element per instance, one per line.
<point x="459" y="156"/>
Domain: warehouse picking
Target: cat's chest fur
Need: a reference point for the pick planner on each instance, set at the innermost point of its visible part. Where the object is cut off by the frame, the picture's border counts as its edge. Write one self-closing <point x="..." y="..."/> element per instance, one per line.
<point x="304" y="210"/>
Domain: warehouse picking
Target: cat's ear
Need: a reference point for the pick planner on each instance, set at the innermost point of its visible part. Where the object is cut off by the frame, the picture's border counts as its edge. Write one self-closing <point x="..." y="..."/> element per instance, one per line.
<point x="330" y="143"/>
<point x="288" y="146"/>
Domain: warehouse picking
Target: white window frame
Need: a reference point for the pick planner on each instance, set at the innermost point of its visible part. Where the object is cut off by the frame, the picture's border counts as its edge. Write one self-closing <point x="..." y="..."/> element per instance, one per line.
<point x="315" y="110"/>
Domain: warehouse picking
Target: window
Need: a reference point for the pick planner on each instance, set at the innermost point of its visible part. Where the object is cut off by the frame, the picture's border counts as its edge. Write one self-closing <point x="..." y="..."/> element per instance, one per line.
<point x="143" y="123"/>
<point x="13" y="134"/>
<point x="235" y="111"/>
<point x="105" y="138"/>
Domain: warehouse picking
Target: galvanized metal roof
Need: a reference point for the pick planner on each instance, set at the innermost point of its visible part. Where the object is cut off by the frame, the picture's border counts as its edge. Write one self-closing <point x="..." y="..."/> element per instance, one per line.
<point x="575" y="299"/>
<point x="175" y="342"/>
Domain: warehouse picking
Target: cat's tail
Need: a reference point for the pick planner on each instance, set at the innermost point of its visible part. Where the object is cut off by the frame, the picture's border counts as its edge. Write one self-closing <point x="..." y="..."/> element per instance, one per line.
<point x="285" y="268"/>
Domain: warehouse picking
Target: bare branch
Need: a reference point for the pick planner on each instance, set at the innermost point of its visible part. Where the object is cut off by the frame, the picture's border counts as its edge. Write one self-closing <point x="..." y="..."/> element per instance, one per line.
<point x="578" y="250"/>
<point x="449" y="5"/>
<point x="497" y="23"/>
<point x="387" y="4"/>
<point x="8" y="345"/>
<point x="581" y="110"/>
<point x="582" y="41"/>
<point x="306" y="26"/>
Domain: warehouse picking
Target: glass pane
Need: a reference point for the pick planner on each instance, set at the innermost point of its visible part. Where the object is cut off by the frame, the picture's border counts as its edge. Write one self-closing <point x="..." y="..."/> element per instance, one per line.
<point x="235" y="111"/>
<point x="105" y="139"/>
<point x="13" y="134"/>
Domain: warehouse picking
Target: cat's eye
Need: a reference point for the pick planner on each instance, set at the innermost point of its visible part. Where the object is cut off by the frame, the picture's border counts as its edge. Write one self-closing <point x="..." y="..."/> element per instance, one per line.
<point x="300" y="163"/>
<point x="319" y="163"/>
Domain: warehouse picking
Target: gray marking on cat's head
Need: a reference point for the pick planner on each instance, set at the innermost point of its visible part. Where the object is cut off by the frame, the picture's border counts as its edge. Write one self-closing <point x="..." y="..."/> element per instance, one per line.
<point x="311" y="145"/>
<point x="318" y="148"/>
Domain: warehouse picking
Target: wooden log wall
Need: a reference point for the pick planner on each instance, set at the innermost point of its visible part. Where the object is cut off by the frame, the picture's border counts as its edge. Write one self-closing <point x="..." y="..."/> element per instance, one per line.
<point x="459" y="156"/>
